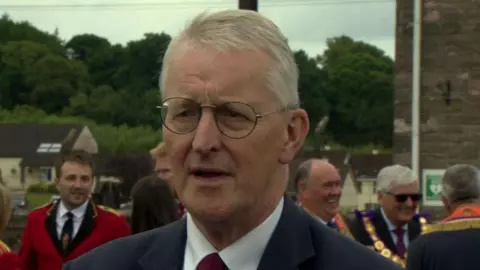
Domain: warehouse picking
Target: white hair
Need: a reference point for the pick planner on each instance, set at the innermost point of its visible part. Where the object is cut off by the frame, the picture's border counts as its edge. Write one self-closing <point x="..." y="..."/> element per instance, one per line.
<point x="394" y="175"/>
<point x="461" y="182"/>
<point x="241" y="30"/>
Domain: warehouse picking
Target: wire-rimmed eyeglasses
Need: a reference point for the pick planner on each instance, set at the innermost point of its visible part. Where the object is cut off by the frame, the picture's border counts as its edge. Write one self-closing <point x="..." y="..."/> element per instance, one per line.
<point x="235" y="120"/>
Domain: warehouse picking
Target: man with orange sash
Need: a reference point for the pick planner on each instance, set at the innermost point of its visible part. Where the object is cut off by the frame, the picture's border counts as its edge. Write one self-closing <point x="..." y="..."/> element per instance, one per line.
<point x="454" y="242"/>
<point x="390" y="228"/>
<point x="319" y="188"/>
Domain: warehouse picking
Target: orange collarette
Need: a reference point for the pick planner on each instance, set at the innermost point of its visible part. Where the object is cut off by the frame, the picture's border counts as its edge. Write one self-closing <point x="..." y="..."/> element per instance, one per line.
<point x="464" y="211"/>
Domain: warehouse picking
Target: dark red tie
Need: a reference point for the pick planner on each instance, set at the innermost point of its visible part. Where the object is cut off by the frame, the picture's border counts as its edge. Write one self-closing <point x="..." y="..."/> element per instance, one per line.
<point x="211" y="262"/>
<point x="180" y="208"/>
<point x="401" y="249"/>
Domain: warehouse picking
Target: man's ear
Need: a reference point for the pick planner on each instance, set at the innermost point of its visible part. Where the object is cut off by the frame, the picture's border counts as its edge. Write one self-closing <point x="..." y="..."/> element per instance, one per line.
<point x="297" y="130"/>
<point x="446" y="204"/>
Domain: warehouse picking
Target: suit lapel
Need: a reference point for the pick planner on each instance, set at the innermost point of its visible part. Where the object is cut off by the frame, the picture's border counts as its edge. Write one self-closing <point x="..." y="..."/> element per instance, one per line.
<point x="383" y="232"/>
<point x="291" y="242"/>
<point x="51" y="226"/>
<point x="167" y="249"/>
<point x="86" y="228"/>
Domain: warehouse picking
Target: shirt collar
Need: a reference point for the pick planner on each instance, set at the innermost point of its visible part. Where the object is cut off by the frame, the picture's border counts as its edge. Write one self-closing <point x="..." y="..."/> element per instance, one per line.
<point x="390" y="225"/>
<point x="245" y="253"/>
<point x="78" y="212"/>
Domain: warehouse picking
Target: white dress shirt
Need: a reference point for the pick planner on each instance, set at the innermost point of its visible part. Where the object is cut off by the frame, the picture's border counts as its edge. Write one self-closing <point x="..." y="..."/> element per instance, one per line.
<point x="78" y="214"/>
<point x="244" y="254"/>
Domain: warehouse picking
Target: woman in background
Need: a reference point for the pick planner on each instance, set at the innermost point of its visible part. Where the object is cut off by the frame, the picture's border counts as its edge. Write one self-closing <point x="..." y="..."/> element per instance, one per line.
<point x="8" y="259"/>
<point x="153" y="204"/>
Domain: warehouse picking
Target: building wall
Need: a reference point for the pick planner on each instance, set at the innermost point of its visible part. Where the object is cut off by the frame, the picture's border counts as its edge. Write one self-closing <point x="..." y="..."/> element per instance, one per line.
<point x="450" y="58"/>
<point x="349" y="194"/>
<point x="11" y="174"/>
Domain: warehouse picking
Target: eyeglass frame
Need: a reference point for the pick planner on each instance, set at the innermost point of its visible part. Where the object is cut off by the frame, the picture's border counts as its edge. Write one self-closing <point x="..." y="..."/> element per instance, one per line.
<point x="213" y="107"/>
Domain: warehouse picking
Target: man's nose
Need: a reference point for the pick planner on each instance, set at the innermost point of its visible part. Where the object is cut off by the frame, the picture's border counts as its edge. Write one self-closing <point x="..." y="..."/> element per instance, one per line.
<point x="77" y="182"/>
<point x="207" y="135"/>
<point x="409" y="201"/>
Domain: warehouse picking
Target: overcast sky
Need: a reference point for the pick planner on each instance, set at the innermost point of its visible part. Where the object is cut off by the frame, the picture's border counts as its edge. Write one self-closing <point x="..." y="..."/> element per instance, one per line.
<point x="306" y="23"/>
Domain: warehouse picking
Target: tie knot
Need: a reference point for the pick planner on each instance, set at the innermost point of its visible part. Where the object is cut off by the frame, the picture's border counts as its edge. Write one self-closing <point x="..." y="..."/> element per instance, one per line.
<point x="399" y="232"/>
<point x="211" y="262"/>
<point x="69" y="215"/>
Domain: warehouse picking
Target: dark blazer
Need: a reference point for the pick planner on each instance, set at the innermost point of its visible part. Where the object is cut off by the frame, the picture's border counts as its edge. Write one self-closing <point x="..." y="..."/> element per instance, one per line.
<point x="360" y="234"/>
<point x="448" y="250"/>
<point x="298" y="243"/>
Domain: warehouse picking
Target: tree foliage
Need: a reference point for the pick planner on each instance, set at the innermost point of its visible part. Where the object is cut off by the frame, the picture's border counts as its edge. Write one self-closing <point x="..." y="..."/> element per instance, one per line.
<point x="113" y="88"/>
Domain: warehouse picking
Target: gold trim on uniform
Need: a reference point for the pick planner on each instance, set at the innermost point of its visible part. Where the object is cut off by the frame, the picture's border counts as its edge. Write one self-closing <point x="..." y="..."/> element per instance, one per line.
<point x="4" y="248"/>
<point x="110" y="210"/>
<point x="379" y="245"/>
<point x="453" y="225"/>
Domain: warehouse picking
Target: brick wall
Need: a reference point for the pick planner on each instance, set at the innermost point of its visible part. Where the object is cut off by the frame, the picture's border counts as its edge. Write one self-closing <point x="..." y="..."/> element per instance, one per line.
<point x="450" y="56"/>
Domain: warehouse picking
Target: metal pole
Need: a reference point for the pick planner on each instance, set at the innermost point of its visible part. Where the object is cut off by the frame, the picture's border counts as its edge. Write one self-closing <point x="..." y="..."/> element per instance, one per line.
<point x="416" y="73"/>
<point x="248" y="4"/>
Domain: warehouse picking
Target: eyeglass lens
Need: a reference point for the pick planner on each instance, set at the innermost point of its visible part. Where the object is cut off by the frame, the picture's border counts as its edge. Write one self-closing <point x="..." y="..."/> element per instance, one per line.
<point x="233" y="119"/>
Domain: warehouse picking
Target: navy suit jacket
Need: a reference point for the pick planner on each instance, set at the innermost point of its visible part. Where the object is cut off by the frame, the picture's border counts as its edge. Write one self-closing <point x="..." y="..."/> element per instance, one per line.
<point x="298" y="243"/>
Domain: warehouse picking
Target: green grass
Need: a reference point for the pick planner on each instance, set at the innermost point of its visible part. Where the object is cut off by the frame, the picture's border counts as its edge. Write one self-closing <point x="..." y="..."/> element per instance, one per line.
<point x="38" y="199"/>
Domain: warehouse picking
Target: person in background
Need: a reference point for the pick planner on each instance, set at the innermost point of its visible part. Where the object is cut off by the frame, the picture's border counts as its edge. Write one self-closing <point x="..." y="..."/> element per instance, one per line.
<point x="164" y="171"/>
<point x="455" y="241"/>
<point x="8" y="259"/>
<point x="232" y="123"/>
<point x="389" y="228"/>
<point x="153" y="204"/>
<point x="319" y="189"/>
<point x="73" y="225"/>
<point x="162" y="165"/>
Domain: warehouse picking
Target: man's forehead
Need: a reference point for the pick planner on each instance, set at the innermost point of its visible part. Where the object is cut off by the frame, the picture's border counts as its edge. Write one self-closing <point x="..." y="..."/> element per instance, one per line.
<point x="401" y="187"/>
<point x="74" y="167"/>
<point x="216" y="77"/>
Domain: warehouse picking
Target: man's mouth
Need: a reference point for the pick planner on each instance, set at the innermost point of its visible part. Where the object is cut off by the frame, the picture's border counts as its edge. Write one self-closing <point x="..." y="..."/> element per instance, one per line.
<point x="209" y="173"/>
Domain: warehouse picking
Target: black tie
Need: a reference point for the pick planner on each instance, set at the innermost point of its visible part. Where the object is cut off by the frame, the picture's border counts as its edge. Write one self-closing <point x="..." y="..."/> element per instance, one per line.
<point x="332" y="225"/>
<point x="67" y="232"/>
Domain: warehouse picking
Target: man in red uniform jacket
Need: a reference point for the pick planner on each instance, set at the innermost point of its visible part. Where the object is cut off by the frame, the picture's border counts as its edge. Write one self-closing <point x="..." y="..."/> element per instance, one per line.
<point x="70" y="227"/>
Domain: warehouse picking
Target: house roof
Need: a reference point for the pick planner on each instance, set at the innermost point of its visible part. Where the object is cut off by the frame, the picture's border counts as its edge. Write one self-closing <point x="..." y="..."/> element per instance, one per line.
<point x="367" y="166"/>
<point x="36" y="144"/>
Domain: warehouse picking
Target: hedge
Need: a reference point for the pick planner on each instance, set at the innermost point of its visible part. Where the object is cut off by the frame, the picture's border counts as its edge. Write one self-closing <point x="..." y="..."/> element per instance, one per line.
<point x="48" y="188"/>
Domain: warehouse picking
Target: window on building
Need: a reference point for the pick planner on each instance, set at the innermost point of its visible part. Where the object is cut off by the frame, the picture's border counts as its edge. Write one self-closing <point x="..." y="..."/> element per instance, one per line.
<point x="45" y="174"/>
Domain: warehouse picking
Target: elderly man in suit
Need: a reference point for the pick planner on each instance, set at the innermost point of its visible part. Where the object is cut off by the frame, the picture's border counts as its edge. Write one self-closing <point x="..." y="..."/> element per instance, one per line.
<point x="390" y="228"/>
<point x="232" y="124"/>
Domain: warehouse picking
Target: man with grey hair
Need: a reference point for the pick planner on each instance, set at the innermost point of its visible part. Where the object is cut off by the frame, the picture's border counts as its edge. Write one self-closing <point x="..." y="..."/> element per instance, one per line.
<point x="231" y="125"/>
<point x="390" y="228"/>
<point x="454" y="242"/>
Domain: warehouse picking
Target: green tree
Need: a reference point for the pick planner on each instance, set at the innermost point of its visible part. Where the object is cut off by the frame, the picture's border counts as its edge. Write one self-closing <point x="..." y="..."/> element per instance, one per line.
<point x="360" y="85"/>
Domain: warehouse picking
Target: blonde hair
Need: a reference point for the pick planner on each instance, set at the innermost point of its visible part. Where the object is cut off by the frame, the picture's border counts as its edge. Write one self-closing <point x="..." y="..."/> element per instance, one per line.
<point x="159" y="151"/>
<point x="5" y="206"/>
<point x="237" y="30"/>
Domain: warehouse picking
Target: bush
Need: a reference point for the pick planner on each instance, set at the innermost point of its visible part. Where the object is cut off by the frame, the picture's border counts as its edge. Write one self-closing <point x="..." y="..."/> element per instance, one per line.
<point x="48" y="188"/>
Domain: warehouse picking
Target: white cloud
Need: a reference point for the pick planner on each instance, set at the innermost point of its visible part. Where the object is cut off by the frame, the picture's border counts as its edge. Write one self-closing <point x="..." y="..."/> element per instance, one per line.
<point x="306" y="23"/>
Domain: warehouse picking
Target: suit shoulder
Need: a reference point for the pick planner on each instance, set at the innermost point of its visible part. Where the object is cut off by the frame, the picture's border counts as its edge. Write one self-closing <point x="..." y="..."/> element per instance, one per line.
<point x="117" y="254"/>
<point x="41" y="210"/>
<point x="361" y="257"/>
